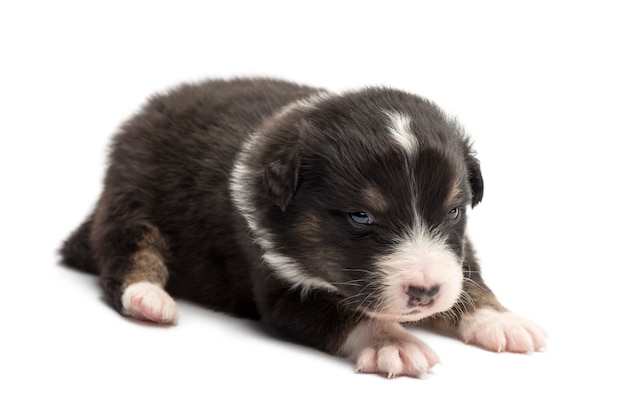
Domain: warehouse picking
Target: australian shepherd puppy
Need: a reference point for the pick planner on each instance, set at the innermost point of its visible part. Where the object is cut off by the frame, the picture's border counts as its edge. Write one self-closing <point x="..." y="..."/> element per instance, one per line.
<point x="336" y="219"/>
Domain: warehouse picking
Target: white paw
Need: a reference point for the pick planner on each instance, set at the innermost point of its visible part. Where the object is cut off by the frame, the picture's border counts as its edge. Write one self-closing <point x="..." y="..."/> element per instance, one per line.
<point x="502" y="332"/>
<point x="388" y="349"/>
<point x="148" y="301"/>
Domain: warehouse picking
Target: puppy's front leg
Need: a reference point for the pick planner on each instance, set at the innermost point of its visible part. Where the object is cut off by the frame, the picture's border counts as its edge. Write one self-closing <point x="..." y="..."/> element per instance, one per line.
<point x="318" y="319"/>
<point x="387" y="348"/>
<point x="478" y="318"/>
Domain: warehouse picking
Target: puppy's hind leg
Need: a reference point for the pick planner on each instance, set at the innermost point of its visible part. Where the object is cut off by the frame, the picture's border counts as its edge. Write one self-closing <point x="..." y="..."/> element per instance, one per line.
<point x="133" y="272"/>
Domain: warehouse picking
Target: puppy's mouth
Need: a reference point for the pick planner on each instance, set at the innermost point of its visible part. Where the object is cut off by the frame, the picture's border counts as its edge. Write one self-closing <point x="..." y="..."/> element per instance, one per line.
<point x="408" y="316"/>
<point x="414" y="304"/>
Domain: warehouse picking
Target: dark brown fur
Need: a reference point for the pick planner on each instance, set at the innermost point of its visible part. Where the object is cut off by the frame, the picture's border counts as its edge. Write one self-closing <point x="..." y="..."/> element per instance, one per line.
<point x="166" y="214"/>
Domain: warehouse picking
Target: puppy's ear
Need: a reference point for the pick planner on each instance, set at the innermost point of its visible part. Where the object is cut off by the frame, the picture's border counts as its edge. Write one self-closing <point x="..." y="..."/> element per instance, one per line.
<point x="281" y="176"/>
<point x="475" y="178"/>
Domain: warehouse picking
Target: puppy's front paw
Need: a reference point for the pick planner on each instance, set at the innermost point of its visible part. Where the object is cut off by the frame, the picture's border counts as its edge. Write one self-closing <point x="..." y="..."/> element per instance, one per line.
<point x="388" y="349"/>
<point x="148" y="301"/>
<point x="502" y="331"/>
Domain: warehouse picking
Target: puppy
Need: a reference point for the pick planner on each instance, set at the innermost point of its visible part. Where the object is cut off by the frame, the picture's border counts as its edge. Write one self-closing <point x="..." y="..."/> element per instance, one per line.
<point x="333" y="218"/>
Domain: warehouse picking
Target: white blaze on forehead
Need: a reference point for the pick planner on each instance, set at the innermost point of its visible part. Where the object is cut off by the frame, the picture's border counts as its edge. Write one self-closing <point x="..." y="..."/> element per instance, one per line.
<point x="400" y="131"/>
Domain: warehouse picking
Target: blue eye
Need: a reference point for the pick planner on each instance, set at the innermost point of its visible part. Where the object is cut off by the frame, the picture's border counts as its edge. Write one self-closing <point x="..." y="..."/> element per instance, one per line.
<point x="454" y="214"/>
<point x="361" y="218"/>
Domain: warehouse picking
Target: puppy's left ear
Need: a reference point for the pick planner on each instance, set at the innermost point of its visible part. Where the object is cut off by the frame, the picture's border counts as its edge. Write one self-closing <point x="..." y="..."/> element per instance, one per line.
<point x="475" y="178"/>
<point x="281" y="176"/>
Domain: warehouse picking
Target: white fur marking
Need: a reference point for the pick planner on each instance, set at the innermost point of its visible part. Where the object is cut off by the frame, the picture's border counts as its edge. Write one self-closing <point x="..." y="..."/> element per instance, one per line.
<point x="148" y="301"/>
<point x="400" y="129"/>
<point x="304" y="104"/>
<point x="502" y="332"/>
<point x="241" y="181"/>
<point x="291" y="271"/>
<point x="422" y="260"/>
<point x="243" y="184"/>
<point x="387" y="348"/>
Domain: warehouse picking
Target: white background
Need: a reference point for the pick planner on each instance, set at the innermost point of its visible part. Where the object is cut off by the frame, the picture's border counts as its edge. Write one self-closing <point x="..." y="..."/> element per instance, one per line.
<point x="539" y="85"/>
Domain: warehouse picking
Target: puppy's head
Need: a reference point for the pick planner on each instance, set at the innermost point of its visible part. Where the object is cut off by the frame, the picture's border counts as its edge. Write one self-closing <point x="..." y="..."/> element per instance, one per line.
<point x="365" y="195"/>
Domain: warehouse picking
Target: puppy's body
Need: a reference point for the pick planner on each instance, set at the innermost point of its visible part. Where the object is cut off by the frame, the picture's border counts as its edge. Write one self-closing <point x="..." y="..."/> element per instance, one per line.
<point x="332" y="218"/>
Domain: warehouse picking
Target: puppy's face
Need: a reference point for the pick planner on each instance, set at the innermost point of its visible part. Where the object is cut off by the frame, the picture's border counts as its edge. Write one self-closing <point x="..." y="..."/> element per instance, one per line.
<point x="365" y="195"/>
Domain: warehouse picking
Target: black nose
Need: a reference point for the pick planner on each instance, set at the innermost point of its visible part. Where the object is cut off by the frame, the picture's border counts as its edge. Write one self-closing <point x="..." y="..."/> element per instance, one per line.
<point x="421" y="296"/>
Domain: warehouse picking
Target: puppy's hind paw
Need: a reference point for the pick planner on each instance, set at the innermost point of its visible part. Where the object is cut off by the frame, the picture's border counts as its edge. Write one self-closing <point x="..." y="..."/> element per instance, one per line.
<point x="389" y="350"/>
<point x="148" y="301"/>
<point x="502" y="331"/>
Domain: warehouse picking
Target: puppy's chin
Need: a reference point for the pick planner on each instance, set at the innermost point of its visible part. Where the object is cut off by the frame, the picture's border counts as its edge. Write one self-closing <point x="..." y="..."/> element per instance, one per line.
<point x="415" y="314"/>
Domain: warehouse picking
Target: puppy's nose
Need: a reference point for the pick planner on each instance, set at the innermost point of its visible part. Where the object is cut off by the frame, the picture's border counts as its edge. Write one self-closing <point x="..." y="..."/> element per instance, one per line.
<point x="422" y="296"/>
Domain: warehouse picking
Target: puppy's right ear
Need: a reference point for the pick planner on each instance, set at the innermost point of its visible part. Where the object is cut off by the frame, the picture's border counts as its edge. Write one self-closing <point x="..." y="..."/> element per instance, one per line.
<point x="281" y="176"/>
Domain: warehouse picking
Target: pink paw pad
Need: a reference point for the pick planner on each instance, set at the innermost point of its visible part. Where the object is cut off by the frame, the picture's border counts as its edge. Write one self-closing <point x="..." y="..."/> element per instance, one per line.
<point x="502" y="332"/>
<point x="148" y="301"/>
<point x="389" y="350"/>
<point x="397" y="359"/>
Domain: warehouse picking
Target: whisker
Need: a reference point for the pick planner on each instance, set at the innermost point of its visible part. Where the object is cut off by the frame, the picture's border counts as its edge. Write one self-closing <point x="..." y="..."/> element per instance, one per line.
<point x="354" y="282"/>
<point x="357" y="270"/>
<point x="469" y="279"/>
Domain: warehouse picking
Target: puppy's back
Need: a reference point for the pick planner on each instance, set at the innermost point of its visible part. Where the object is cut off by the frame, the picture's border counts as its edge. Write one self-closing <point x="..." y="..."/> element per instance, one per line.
<point x="179" y="149"/>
